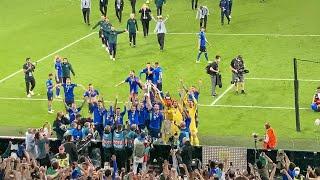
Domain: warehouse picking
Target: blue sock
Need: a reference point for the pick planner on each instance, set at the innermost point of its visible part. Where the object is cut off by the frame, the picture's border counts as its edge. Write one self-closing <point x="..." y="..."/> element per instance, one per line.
<point x="199" y="54"/>
<point x="57" y="91"/>
<point x="206" y="55"/>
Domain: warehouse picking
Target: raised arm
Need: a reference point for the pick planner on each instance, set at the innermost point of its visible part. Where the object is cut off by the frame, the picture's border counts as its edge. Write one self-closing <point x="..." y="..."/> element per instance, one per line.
<point x="120" y="83"/>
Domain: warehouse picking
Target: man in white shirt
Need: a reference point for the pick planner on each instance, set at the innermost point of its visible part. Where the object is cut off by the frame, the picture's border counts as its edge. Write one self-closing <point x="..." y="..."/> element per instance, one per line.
<point x="85" y="7"/>
<point x="202" y="15"/>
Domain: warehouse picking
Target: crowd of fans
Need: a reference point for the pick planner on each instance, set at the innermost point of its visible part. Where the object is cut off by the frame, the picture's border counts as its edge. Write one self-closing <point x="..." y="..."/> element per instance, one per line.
<point x="34" y="159"/>
<point x="128" y="137"/>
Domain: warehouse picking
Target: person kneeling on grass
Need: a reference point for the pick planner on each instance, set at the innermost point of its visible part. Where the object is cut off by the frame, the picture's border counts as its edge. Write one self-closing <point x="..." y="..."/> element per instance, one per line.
<point x="315" y="106"/>
<point x="113" y="42"/>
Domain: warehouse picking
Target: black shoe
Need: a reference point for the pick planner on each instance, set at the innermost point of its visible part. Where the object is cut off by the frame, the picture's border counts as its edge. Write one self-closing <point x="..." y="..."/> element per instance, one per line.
<point x="214" y="95"/>
<point x="242" y="92"/>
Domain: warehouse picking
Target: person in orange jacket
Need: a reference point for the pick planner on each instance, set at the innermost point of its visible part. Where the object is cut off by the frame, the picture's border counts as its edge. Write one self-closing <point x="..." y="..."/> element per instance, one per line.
<point x="270" y="140"/>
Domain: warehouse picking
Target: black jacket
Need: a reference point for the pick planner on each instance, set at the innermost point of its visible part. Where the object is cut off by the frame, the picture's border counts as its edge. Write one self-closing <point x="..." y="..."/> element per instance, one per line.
<point x="103" y="2"/>
<point x="121" y="4"/>
<point x="147" y="11"/>
<point x="71" y="149"/>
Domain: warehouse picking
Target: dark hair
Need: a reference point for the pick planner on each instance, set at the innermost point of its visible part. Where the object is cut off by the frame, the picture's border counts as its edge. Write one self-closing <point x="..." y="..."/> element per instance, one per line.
<point x="133" y="71"/>
<point x="37" y="136"/>
<point x="212" y="164"/>
<point x="27" y="59"/>
<point x="156" y="63"/>
<point x="68" y="138"/>
<point x="232" y="174"/>
<point x="107" y="173"/>
<point x="90" y="84"/>
<point x="259" y="164"/>
<point x="218" y="56"/>
<point x="50" y="74"/>
<point x="148" y="62"/>
<point x="292" y="166"/>
<point x="55" y="165"/>
<point x="220" y="165"/>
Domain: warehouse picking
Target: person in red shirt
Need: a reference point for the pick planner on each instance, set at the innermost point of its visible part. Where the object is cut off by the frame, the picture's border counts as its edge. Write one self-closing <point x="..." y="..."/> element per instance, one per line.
<point x="270" y="140"/>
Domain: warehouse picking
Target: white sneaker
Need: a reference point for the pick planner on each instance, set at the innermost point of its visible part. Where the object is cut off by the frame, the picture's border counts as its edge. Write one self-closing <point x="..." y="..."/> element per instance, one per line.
<point x="29" y="95"/>
<point x="209" y="62"/>
<point x="107" y="49"/>
<point x="103" y="45"/>
<point x="111" y="57"/>
<point x="51" y="112"/>
<point x="230" y="16"/>
<point x="58" y="97"/>
<point x="31" y="92"/>
<point x="197" y="61"/>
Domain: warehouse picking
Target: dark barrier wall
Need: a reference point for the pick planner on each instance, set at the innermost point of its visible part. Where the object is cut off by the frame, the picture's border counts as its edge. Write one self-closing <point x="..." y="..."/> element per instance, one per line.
<point x="301" y="158"/>
<point x="161" y="152"/>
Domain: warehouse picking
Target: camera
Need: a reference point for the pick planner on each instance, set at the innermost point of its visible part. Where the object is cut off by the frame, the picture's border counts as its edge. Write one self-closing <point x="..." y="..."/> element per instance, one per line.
<point x="255" y="136"/>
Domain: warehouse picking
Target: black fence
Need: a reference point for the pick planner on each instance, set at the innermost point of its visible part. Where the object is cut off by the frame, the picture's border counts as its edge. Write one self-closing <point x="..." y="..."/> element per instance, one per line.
<point x="300" y="158"/>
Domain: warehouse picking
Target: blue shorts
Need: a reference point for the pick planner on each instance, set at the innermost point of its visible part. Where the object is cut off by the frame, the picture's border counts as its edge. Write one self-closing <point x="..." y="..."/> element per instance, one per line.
<point x="133" y="91"/>
<point x="50" y="96"/>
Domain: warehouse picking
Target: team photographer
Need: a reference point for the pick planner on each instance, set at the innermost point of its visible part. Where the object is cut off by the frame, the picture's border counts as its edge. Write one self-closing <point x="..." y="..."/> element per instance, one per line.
<point x="238" y="70"/>
<point x="213" y="70"/>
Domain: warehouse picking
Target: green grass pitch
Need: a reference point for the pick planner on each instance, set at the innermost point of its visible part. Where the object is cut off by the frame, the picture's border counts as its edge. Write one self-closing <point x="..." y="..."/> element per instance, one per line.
<point x="37" y="28"/>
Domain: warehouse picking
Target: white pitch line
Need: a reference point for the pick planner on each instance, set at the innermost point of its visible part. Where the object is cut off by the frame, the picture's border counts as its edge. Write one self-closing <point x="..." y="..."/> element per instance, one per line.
<point x="251" y="34"/>
<point x="45" y="57"/>
<point x="279" y="79"/>
<point x="220" y="96"/>
<point x="252" y="107"/>
<point x="42" y="99"/>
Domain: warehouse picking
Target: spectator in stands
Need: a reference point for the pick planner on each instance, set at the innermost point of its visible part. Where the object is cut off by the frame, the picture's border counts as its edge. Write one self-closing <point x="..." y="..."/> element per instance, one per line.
<point x="107" y="144"/>
<point x="71" y="149"/>
<point x="77" y="133"/>
<point x="42" y="155"/>
<point x="138" y="152"/>
<point x="262" y="165"/>
<point x="30" y="143"/>
<point x="60" y="125"/>
<point x="119" y="146"/>
<point x="130" y="137"/>
<point x="186" y="153"/>
<point x="62" y="157"/>
<point x="85" y="129"/>
<point x="313" y="174"/>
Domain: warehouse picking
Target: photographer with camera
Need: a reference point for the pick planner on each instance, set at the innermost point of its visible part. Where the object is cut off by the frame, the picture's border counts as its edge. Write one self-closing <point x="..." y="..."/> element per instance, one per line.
<point x="213" y="70"/>
<point x="238" y="70"/>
